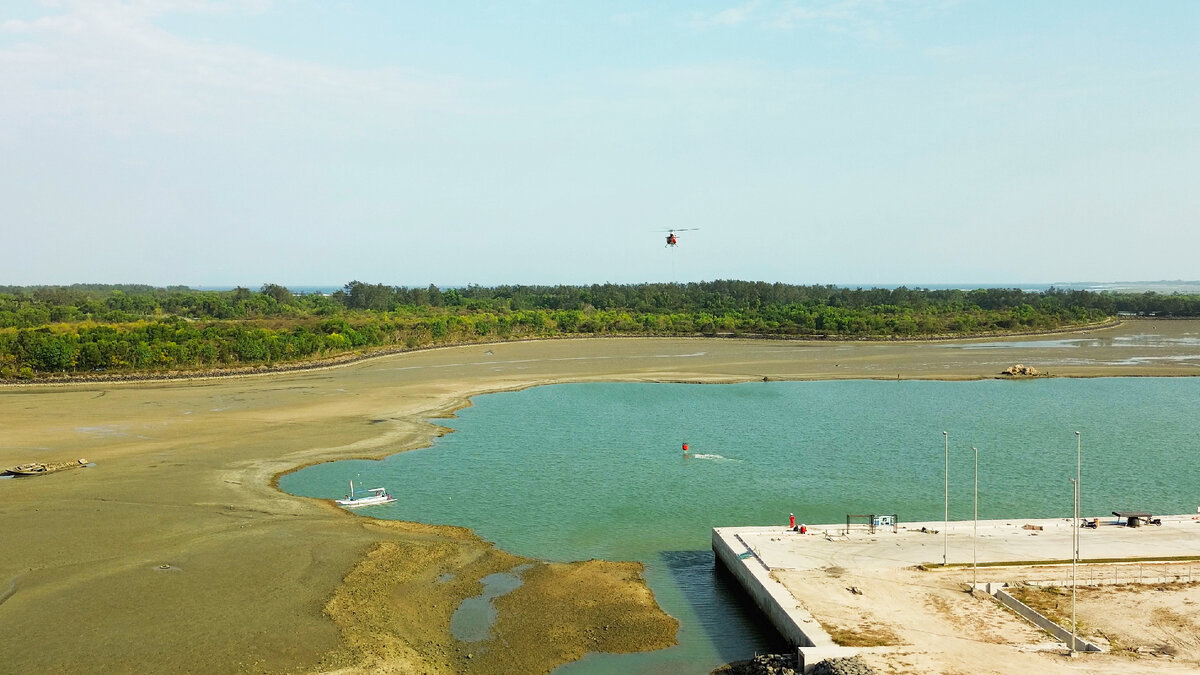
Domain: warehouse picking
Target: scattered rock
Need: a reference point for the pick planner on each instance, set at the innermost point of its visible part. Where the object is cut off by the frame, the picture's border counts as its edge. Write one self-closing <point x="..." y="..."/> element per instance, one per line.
<point x="785" y="664"/>
<point x="773" y="664"/>
<point x="851" y="665"/>
<point x="763" y="664"/>
<point x="1021" y="370"/>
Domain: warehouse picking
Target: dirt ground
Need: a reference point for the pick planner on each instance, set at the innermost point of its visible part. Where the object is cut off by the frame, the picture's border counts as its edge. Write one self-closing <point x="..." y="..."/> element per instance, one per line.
<point x="258" y="580"/>
<point x="912" y="621"/>
<point x="1160" y="620"/>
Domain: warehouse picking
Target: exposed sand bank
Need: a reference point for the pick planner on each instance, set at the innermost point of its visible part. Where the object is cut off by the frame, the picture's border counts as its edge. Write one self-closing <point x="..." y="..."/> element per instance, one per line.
<point x="263" y="580"/>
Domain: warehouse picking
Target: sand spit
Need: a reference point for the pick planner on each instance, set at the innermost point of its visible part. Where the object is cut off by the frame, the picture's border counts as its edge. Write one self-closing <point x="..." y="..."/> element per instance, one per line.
<point x="258" y="580"/>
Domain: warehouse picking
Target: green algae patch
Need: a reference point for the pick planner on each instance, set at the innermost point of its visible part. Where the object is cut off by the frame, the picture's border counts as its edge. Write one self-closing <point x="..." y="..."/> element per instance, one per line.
<point x="394" y="609"/>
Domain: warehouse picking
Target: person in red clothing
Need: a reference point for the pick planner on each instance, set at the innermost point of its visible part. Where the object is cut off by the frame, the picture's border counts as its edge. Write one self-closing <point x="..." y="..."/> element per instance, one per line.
<point x="791" y="521"/>
<point x="803" y="528"/>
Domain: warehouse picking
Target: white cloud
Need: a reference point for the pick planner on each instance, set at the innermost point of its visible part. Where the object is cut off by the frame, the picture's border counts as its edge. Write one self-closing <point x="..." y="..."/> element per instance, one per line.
<point x="628" y="18"/>
<point x="725" y="17"/>
<point x="827" y="11"/>
<point x="46" y="24"/>
<point x="863" y="20"/>
<point x="108" y="66"/>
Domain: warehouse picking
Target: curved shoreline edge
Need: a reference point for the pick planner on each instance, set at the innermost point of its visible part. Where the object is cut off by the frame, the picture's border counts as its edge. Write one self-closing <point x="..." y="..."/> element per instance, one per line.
<point x="464" y="399"/>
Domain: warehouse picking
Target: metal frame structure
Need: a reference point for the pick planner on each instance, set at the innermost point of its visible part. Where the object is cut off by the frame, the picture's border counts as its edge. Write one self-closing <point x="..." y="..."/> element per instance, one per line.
<point x="870" y="518"/>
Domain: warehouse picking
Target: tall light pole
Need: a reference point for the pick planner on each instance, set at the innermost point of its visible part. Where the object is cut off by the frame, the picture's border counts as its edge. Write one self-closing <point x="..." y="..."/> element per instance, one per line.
<point x="1074" y="558"/>
<point x="946" y="523"/>
<point x="975" y="531"/>
<point x="1079" y="487"/>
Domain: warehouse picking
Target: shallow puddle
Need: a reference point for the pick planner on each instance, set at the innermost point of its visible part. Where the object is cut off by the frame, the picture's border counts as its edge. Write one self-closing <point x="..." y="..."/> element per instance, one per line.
<point x="472" y="621"/>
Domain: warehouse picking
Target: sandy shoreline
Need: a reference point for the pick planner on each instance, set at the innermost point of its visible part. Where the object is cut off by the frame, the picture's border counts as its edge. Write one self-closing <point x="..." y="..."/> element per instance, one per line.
<point x="261" y="580"/>
<point x="353" y="358"/>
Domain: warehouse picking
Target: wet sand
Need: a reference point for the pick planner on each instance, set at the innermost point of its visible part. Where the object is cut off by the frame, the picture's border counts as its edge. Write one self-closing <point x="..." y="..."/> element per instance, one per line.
<point x="259" y="580"/>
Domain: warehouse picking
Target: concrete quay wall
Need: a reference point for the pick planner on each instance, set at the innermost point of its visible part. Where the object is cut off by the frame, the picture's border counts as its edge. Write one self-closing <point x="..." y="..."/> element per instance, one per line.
<point x="793" y="622"/>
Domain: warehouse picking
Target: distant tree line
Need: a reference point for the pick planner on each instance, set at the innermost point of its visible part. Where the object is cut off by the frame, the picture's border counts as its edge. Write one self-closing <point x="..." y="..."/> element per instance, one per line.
<point x="136" y="328"/>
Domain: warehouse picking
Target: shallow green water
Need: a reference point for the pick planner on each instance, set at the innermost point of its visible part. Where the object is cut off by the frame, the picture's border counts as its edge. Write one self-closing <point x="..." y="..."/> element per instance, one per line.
<point x="571" y="472"/>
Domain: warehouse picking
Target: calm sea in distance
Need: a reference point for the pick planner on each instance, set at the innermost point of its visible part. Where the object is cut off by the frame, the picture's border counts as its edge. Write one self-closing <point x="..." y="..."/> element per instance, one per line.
<point x="580" y="471"/>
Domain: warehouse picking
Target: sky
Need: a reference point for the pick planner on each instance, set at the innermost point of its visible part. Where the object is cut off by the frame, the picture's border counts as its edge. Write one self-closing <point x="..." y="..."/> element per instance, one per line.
<point x="849" y="142"/>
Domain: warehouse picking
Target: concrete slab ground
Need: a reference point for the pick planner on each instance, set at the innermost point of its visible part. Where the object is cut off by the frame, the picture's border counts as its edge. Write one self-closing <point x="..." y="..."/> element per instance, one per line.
<point x="998" y="541"/>
<point x="864" y="590"/>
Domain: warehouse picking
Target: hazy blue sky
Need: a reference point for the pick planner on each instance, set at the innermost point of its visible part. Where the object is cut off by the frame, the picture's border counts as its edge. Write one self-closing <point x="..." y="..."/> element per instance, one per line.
<point x="845" y="141"/>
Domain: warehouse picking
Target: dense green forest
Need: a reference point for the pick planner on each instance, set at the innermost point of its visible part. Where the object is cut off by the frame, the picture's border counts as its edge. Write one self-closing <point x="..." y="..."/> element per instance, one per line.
<point x="84" y="329"/>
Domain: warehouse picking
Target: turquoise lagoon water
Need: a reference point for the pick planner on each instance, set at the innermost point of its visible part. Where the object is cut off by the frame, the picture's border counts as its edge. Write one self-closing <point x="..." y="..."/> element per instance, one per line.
<point x="579" y="471"/>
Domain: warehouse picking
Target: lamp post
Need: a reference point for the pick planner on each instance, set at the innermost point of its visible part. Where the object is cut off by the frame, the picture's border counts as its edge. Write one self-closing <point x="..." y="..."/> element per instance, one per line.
<point x="1074" y="558"/>
<point x="946" y="523"/>
<point x="975" y="530"/>
<point x="1079" y="487"/>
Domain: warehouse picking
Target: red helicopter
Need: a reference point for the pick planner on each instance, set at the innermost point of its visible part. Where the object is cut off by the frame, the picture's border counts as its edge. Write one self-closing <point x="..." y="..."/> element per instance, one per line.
<point x="673" y="239"/>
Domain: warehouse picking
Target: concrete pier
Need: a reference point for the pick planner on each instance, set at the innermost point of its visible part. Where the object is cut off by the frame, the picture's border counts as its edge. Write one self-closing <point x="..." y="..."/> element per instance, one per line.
<point x="780" y="569"/>
<point x="789" y="617"/>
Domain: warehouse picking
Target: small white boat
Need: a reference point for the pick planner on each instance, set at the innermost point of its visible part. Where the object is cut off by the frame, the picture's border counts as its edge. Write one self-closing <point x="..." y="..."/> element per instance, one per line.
<point x="371" y="497"/>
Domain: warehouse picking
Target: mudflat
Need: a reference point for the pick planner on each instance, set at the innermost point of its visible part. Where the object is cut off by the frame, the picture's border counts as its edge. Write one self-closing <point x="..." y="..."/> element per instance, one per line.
<point x="176" y="551"/>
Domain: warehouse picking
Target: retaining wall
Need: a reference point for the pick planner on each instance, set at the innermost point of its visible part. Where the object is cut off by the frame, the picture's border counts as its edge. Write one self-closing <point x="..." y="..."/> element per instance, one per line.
<point x="768" y="594"/>
<point x="793" y="622"/>
<point x="1042" y="622"/>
